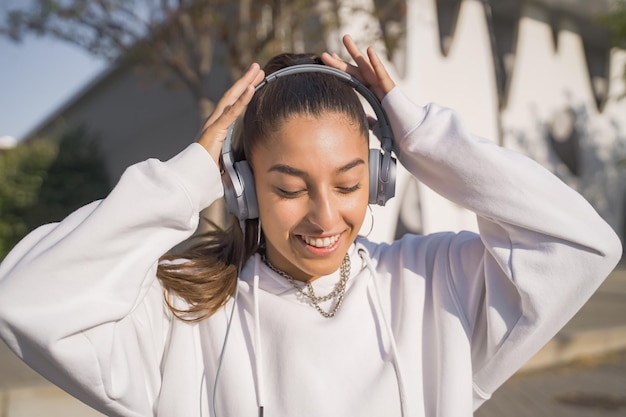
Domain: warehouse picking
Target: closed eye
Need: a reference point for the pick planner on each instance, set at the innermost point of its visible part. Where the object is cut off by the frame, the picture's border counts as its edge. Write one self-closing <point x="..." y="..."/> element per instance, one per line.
<point x="348" y="190"/>
<point x="289" y="194"/>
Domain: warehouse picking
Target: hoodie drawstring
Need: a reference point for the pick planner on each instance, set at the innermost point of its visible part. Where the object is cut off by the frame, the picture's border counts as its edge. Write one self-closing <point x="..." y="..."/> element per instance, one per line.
<point x="258" y="352"/>
<point x="379" y="314"/>
<point x="384" y="322"/>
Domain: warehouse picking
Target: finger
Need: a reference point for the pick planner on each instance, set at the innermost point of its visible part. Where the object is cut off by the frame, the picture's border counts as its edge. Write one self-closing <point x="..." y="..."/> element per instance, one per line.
<point x="212" y="135"/>
<point x="232" y="112"/>
<point x="260" y="76"/>
<point x="240" y="89"/>
<point x="253" y="77"/>
<point x="334" y="57"/>
<point x="351" y="47"/>
<point x="376" y="63"/>
<point x="229" y="114"/>
<point x="335" y="61"/>
<point x="367" y="73"/>
<point x="384" y="79"/>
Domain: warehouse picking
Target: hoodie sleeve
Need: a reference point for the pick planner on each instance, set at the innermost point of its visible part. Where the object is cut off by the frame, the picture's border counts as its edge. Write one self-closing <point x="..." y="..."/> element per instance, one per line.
<point x="541" y="251"/>
<point x="79" y="301"/>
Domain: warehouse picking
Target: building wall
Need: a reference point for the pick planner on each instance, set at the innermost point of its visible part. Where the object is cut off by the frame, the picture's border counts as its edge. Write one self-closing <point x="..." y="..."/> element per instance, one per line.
<point x="530" y="77"/>
<point x="557" y="101"/>
<point x="134" y="116"/>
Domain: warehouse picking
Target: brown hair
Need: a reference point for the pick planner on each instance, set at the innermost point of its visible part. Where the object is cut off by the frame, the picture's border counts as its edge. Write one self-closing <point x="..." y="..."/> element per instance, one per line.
<point x="205" y="274"/>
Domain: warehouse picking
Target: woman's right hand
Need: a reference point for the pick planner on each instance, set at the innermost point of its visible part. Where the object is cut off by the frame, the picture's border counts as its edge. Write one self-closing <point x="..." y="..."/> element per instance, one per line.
<point x="227" y="110"/>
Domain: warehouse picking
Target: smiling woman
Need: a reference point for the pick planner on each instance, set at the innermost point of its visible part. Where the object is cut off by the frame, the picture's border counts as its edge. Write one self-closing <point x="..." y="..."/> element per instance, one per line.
<point x="312" y="187"/>
<point x="291" y="312"/>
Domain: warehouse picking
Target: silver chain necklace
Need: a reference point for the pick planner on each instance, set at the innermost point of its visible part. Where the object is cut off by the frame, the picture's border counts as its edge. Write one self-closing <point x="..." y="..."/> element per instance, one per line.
<point x="337" y="293"/>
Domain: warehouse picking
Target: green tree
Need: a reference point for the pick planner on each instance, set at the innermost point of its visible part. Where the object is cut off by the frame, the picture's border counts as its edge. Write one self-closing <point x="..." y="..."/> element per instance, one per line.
<point x="42" y="181"/>
<point x="76" y="176"/>
<point x="22" y="171"/>
<point x="615" y="21"/>
<point x="190" y="39"/>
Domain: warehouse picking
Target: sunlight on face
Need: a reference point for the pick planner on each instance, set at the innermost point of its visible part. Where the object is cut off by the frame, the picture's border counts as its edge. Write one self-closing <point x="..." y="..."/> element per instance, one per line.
<point x="312" y="185"/>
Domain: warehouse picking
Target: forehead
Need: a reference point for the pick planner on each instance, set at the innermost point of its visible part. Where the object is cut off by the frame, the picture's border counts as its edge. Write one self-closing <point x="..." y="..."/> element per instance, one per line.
<point x="312" y="144"/>
<point x="326" y="134"/>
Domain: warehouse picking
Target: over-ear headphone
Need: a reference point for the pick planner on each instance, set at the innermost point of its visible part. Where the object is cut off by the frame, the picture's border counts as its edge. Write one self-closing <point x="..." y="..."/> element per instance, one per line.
<point x="239" y="190"/>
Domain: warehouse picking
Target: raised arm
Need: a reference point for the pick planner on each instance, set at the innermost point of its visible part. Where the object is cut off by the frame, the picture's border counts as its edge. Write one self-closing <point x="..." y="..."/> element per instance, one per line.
<point x="79" y="300"/>
<point x="541" y="251"/>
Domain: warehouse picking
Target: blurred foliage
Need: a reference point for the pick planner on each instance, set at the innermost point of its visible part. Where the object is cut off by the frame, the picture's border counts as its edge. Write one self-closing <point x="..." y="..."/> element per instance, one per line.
<point x="42" y="181"/>
<point x="192" y="42"/>
<point x="615" y="21"/>
<point x="189" y="39"/>
<point x="22" y="171"/>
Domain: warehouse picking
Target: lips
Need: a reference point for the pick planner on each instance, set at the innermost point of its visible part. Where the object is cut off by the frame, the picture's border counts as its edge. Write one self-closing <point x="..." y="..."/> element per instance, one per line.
<point x="320" y="242"/>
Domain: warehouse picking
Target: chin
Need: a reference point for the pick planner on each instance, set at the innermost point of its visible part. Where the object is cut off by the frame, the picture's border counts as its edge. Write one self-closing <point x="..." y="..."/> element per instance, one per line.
<point x="322" y="267"/>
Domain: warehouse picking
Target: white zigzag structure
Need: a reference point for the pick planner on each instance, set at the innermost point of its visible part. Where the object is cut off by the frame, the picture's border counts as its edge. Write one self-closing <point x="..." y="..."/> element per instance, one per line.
<point x="549" y="107"/>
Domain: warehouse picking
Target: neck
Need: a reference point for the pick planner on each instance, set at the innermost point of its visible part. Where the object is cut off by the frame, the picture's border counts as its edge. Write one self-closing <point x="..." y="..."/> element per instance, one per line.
<point x="292" y="271"/>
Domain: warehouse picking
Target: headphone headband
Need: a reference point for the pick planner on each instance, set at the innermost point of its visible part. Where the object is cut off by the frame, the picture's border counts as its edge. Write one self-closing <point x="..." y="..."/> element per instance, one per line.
<point x="239" y="182"/>
<point x="386" y="134"/>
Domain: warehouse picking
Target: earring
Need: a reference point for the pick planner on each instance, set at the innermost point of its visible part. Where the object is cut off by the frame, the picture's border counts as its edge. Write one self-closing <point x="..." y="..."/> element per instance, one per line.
<point x="371" y="221"/>
<point x="258" y="233"/>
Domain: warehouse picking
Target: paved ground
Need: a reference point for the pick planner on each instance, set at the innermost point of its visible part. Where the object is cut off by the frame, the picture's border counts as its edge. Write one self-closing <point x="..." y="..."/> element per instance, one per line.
<point x="600" y="326"/>
<point x="590" y="388"/>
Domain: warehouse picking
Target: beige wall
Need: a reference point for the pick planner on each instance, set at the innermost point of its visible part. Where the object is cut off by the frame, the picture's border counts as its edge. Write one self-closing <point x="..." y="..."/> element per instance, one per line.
<point x="545" y="80"/>
<point x="137" y="118"/>
<point x="134" y="116"/>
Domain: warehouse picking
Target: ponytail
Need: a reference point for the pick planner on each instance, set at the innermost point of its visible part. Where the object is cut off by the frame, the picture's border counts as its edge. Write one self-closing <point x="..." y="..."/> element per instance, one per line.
<point x="205" y="274"/>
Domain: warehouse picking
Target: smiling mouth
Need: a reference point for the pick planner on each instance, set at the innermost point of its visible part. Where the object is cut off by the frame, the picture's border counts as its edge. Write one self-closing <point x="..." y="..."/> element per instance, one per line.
<point x="320" y="242"/>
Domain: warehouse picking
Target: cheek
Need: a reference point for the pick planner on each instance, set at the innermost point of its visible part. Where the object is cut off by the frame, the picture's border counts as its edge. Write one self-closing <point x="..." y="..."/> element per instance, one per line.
<point x="279" y="214"/>
<point x="360" y="209"/>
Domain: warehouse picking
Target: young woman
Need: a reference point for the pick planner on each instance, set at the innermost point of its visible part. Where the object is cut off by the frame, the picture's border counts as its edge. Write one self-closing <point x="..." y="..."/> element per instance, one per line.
<point x="325" y="322"/>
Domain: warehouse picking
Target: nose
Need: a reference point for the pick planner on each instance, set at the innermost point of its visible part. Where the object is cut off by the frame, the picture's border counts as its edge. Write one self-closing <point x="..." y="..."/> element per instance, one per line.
<point x="323" y="210"/>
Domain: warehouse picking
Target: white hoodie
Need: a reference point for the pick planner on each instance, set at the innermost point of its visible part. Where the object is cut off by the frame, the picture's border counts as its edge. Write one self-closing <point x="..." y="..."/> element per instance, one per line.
<point x="430" y="325"/>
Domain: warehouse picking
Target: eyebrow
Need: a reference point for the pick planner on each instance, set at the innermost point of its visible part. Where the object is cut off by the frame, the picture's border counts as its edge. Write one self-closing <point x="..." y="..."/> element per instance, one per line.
<point x="286" y="169"/>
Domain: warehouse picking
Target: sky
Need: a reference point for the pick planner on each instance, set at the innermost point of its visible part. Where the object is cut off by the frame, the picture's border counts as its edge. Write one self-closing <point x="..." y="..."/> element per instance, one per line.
<point x="37" y="76"/>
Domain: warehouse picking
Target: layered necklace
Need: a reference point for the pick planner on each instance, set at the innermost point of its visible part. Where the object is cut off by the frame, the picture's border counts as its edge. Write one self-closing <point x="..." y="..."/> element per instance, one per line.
<point x="336" y="294"/>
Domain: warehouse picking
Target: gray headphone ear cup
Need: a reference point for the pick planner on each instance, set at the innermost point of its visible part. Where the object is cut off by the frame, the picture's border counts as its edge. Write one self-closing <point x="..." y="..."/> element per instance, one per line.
<point x="381" y="191"/>
<point x="231" y="183"/>
<point x="247" y="203"/>
<point x="390" y="186"/>
<point x="374" y="168"/>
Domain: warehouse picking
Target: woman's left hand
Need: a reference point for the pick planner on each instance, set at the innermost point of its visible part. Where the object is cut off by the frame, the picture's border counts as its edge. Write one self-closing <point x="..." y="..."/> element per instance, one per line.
<point x="369" y="69"/>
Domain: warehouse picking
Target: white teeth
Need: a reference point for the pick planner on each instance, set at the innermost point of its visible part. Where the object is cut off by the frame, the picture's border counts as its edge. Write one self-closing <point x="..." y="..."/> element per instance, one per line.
<point x="320" y="242"/>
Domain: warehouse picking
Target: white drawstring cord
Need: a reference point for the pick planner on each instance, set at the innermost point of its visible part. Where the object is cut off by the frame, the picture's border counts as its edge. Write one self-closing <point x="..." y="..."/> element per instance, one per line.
<point x="230" y="321"/>
<point x="392" y="340"/>
<point x="257" y="329"/>
<point x="260" y="387"/>
<point x="242" y="225"/>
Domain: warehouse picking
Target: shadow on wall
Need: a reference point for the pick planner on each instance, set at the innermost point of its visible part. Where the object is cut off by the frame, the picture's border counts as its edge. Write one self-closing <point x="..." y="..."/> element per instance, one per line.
<point x="76" y="177"/>
<point x="587" y="155"/>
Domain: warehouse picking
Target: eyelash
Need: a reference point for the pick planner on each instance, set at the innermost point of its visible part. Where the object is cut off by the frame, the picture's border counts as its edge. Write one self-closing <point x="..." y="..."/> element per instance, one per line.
<point x="348" y="190"/>
<point x="288" y="194"/>
<point x="294" y="194"/>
